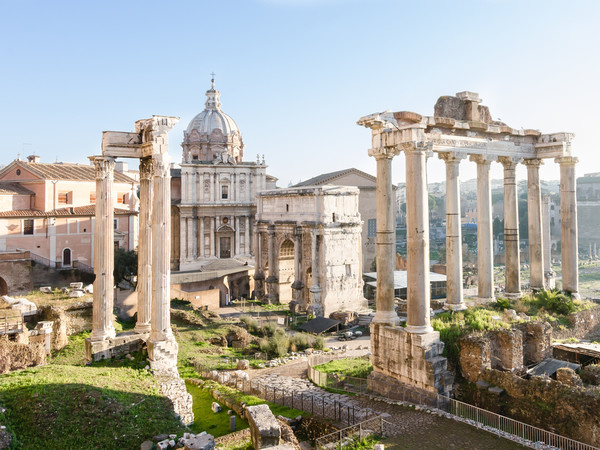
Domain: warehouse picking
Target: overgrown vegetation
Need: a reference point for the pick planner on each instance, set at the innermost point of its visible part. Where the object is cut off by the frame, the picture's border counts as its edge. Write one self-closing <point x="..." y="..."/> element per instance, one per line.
<point x="350" y="367"/>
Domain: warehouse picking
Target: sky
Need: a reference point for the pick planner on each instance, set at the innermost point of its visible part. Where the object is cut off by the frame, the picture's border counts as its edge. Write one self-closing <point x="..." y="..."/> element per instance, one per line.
<point x="295" y="75"/>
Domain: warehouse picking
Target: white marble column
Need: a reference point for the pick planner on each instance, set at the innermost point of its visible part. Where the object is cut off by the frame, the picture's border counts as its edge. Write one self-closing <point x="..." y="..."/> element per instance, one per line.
<point x="534" y="214"/>
<point x="454" y="269"/>
<point x="512" y="258"/>
<point x="385" y="238"/>
<point x="417" y="239"/>
<point x="568" y="225"/>
<point x="190" y="238"/>
<point x="104" y="245"/>
<point x="259" y="273"/>
<point x="236" y="221"/>
<point x="161" y="251"/>
<point x="212" y="236"/>
<point x="549" y="280"/>
<point x="183" y="238"/>
<point x="144" y="283"/>
<point x="247" y="237"/>
<point x="485" y="255"/>
<point x="201" y="238"/>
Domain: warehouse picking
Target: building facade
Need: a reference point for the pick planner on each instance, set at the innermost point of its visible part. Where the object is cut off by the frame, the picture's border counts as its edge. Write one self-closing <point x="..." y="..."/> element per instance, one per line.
<point x="214" y="192"/>
<point x="48" y="210"/>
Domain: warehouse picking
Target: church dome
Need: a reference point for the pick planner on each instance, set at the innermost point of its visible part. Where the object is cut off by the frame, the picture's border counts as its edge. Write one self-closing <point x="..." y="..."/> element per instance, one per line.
<point x="212" y="133"/>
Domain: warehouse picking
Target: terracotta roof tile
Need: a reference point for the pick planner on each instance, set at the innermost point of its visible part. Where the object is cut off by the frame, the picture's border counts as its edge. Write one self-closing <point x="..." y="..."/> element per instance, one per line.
<point x="69" y="171"/>
<point x="88" y="210"/>
<point x="8" y="188"/>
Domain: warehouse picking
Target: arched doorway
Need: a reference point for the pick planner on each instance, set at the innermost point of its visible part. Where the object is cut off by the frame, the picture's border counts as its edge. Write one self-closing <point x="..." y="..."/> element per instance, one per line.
<point x="66" y="258"/>
<point x="225" y="241"/>
<point x="286" y="271"/>
<point x="3" y="287"/>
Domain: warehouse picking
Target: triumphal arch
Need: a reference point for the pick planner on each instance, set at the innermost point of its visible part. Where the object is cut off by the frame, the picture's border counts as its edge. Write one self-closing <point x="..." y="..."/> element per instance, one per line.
<point x="460" y="128"/>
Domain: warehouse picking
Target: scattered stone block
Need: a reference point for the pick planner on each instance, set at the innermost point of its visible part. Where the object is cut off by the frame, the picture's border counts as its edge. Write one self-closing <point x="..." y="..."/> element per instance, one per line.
<point x="76" y="294"/>
<point x="264" y="427"/>
<point x="243" y="364"/>
<point x="76" y="285"/>
<point x="481" y="384"/>
<point x="231" y="423"/>
<point x="495" y="390"/>
<point x="89" y="289"/>
<point x="216" y="407"/>
<point x="201" y="441"/>
<point x="147" y="445"/>
<point x="46" y="289"/>
<point x="162" y="445"/>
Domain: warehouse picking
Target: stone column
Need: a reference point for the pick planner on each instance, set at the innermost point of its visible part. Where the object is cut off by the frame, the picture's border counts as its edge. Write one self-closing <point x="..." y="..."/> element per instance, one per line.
<point x="247" y="237"/>
<point x="236" y="221"/>
<point x="104" y="247"/>
<point x="212" y="236"/>
<point x="534" y="214"/>
<point x="485" y="255"/>
<point x="144" y="284"/>
<point x="211" y="184"/>
<point x="568" y="225"/>
<point x="454" y="269"/>
<point x="512" y="260"/>
<point x="190" y="238"/>
<point x="161" y="252"/>
<point x="201" y="238"/>
<point x="385" y="238"/>
<point x="315" y="307"/>
<point x="298" y="285"/>
<point x="417" y="239"/>
<point x="272" y="279"/>
<point x="259" y="273"/>
<point x="183" y="238"/>
<point x="549" y="280"/>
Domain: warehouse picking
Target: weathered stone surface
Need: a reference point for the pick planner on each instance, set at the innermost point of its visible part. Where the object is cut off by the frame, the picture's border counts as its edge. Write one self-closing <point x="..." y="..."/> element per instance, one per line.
<point x="243" y="364"/>
<point x="568" y="376"/>
<point x="201" y="441"/>
<point x="15" y="356"/>
<point x="264" y="427"/>
<point x="345" y="317"/>
<point x="146" y="445"/>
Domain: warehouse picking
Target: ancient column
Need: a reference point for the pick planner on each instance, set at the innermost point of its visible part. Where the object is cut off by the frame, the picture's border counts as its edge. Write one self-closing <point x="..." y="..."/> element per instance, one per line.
<point x="236" y="222"/>
<point x="568" y="225"/>
<point x="385" y="239"/>
<point x="315" y="307"/>
<point x="104" y="245"/>
<point x="259" y="273"/>
<point x="183" y="254"/>
<point x="144" y="284"/>
<point x="549" y="282"/>
<point x="454" y="270"/>
<point x="247" y="236"/>
<point x="212" y="236"/>
<point x="485" y="255"/>
<point x="417" y="240"/>
<point x="511" y="230"/>
<point x="534" y="214"/>
<point x="298" y="285"/>
<point x="190" y="238"/>
<point x="201" y="238"/>
<point x="272" y="278"/>
<point x="161" y="252"/>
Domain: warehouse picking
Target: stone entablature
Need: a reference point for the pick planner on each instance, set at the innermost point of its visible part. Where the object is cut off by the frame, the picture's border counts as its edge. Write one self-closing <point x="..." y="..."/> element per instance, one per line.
<point x="308" y="247"/>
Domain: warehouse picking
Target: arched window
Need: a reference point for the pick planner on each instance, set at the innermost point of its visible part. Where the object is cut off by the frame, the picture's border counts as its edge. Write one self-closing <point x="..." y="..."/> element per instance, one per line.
<point x="66" y="259"/>
<point x="286" y="250"/>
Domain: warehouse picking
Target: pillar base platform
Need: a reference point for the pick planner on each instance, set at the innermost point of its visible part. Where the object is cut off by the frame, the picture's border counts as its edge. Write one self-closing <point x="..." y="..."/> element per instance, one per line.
<point x="513" y="295"/>
<point x="121" y="344"/>
<point x="162" y="355"/>
<point x="575" y="296"/>
<point x="142" y="328"/>
<point x="409" y="358"/>
<point x="421" y="329"/>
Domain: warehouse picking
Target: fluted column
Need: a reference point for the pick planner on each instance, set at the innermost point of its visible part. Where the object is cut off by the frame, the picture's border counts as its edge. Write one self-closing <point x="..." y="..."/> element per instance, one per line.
<point x="454" y="269"/>
<point x="549" y="280"/>
<point x="298" y="285"/>
<point x="259" y="273"/>
<point x="144" y="284"/>
<point x="161" y="252"/>
<point x="104" y="245"/>
<point x="534" y="214"/>
<point x="485" y="255"/>
<point x="385" y="238"/>
<point x="417" y="239"/>
<point x="315" y="306"/>
<point x="568" y="225"/>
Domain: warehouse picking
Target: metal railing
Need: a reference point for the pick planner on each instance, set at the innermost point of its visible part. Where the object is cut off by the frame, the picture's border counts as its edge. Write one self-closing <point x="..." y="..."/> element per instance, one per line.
<point x="371" y="427"/>
<point x="11" y="322"/>
<point x="334" y="380"/>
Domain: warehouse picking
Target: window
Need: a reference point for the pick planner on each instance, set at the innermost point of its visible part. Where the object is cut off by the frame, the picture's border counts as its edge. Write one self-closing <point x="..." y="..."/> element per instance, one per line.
<point x="66" y="257"/>
<point x="63" y="198"/>
<point x="224" y="192"/>
<point x="92" y="197"/>
<point x="28" y="226"/>
<point x="121" y="198"/>
<point x="371" y="227"/>
<point x="116" y="223"/>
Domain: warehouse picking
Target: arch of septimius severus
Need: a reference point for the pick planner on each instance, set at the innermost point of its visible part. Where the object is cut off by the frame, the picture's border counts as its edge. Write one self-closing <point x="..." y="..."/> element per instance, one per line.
<point x="461" y="127"/>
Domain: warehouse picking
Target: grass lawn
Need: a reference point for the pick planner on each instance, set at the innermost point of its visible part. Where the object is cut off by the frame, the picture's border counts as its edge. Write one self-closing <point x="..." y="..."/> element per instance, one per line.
<point x="351" y="367"/>
<point x="71" y="407"/>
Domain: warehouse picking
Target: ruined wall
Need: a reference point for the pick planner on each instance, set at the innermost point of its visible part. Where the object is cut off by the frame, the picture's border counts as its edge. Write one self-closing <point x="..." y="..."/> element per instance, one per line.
<point x="571" y="411"/>
<point x="584" y="325"/>
<point x="17" y="274"/>
<point x="14" y="356"/>
<point x="68" y="320"/>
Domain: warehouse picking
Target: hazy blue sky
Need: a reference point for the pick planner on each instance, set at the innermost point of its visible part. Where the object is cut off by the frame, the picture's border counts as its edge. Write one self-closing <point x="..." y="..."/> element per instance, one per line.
<point x="294" y="74"/>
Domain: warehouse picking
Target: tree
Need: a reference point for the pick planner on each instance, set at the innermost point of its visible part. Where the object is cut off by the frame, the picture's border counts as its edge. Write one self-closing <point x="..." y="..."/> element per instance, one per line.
<point x="126" y="266"/>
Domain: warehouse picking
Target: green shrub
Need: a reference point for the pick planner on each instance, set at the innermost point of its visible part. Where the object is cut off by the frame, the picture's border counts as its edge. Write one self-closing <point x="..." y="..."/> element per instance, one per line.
<point x="318" y="343"/>
<point x="251" y="323"/>
<point x="268" y="329"/>
<point x="555" y="301"/>
<point x="501" y="304"/>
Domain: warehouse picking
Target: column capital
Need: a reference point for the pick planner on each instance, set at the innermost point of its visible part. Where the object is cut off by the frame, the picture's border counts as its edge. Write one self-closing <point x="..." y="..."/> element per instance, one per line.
<point x="105" y="167"/>
<point x="417" y="147"/>
<point x="161" y="165"/>
<point x="535" y="162"/>
<point x="452" y="157"/>
<point x="383" y="152"/>
<point x="146" y="168"/>
<point x="567" y="160"/>
<point x="509" y="162"/>
<point x="485" y="160"/>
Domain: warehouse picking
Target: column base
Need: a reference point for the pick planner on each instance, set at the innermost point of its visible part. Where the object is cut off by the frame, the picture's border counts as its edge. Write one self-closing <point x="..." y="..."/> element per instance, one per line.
<point x="455" y="306"/>
<point x="162" y="355"/>
<point x="575" y="296"/>
<point x="419" y="329"/>
<point x="386" y="318"/>
<point x="484" y="300"/>
<point x="142" y="328"/>
<point x="120" y="344"/>
<point x="99" y="336"/>
<point x="513" y="295"/>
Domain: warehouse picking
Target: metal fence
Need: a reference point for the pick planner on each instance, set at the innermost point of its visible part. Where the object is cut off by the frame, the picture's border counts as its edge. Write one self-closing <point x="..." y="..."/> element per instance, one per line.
<point x="11" y="322"/>
<point x="372" y="427"/>
<point x="334" y="380"/>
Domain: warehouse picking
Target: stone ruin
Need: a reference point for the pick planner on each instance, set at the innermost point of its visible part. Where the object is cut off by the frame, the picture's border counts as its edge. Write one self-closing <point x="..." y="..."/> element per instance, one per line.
<point x="461" y="127"/>
<point x="149" y="144"/>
